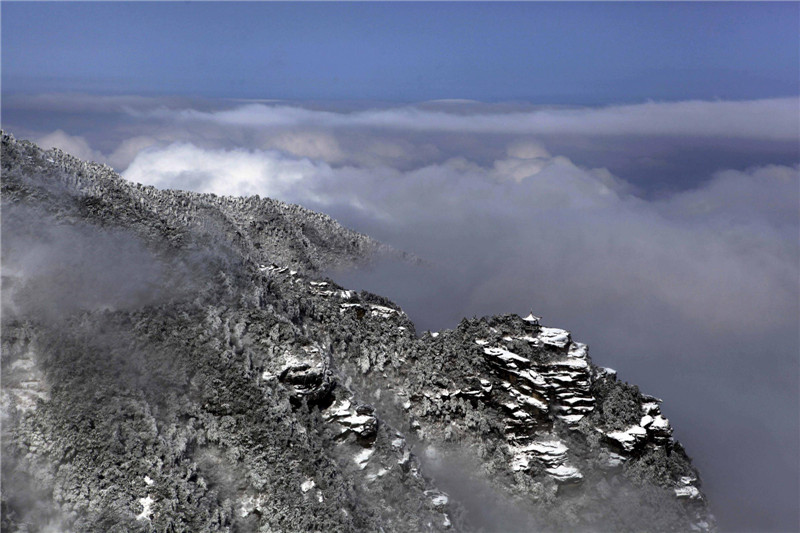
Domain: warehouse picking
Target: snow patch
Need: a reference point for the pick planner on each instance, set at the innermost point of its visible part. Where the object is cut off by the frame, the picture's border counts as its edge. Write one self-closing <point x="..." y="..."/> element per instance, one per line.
<point x="147" y="510"/>
<point x="552" y="454"/>
<point x="554" y="337"/>
<point x="605" y="372"/>
<point x="660" y="423"/>
<point x="438" y="498"/>
<point x="362" y="458"/>
<point x="509" y="358"/>
<point x="688" y="492"/>
<point x="629" y="438"/>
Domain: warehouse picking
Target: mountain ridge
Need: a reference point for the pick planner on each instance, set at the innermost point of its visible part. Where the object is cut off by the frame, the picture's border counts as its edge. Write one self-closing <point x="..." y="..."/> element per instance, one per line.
<point x="229" y="387"/>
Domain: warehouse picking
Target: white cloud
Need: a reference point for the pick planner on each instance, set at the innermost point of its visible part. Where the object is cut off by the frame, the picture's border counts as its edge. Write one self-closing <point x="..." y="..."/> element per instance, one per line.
<point x="773" y="119"/>
<point x="522" y="149"/>
<point x="535" y="215"/>
<point x="71" y="144"/>
<point x="222" y="172"/>
<point x="547" y="219"/>
<point x="127" y="150"/>
<point x="79" y="147"/>
<point x="93" y="103"/>
<point x="311" y="144"/>
<point x="767" y="194"/>
<point x="769" y="119"/>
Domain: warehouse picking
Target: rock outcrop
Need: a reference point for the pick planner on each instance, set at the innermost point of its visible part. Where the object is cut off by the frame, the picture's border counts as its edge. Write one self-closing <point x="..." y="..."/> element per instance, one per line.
<point x="242" y="392"/>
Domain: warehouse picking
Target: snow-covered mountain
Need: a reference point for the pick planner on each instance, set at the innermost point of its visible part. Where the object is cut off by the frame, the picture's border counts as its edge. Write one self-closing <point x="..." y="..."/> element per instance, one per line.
<point x="174" y="361"/>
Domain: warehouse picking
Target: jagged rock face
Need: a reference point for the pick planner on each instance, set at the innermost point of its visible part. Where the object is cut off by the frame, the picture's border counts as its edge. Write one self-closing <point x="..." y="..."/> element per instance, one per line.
<point x="246" y="394"/>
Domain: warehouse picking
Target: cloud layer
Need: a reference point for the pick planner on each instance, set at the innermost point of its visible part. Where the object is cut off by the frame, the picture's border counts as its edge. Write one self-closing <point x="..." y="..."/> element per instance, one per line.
<point x="663" y="234"/>
<point x="688" y="250"/>
<point x="772" y="119"/>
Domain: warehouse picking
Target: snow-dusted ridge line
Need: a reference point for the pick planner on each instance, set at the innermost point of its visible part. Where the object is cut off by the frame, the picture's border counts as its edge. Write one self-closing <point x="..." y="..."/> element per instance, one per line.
<point x="240" y="219"/>
<point x="309" y="402"/>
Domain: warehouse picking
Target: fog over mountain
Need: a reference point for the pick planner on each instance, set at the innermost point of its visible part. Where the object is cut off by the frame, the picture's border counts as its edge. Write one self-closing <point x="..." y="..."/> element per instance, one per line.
<point x="174" y="361"/>
<point x="663" y="234"/>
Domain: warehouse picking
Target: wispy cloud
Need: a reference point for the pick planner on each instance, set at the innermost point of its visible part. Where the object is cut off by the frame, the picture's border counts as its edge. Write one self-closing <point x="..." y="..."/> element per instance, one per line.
<point x="760" y="119"/>
<point x="223" y="172"/>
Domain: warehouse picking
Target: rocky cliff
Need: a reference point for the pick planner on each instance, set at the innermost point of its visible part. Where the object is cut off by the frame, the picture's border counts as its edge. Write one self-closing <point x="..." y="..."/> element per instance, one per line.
<point x="173" y="361"/>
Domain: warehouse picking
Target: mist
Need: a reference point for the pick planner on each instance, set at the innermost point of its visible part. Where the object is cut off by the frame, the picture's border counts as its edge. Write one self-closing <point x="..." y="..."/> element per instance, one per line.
<point x="664" y="235"/>
<point x="53" y="269"/>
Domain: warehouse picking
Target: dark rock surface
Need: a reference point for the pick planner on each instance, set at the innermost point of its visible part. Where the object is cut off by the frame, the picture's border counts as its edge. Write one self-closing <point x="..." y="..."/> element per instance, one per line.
<point x="172" y="361"/>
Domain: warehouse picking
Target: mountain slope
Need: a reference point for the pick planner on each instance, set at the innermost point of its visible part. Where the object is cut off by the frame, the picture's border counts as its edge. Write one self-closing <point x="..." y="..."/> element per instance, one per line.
<point x="171" y="362"/>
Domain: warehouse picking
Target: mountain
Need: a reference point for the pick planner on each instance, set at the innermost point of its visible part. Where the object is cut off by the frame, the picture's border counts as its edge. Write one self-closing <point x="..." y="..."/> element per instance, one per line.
<point x="174" y="361"/>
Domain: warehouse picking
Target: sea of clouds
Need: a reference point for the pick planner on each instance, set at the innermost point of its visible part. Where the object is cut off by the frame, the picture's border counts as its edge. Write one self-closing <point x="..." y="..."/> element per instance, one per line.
<point x="663" y="234"/>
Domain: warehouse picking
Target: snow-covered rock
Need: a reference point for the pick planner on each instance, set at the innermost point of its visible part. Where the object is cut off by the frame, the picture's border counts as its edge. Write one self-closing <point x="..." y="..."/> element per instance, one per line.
<point x="552" y="454"/>
<point x="147" y="508"/>
<point x="629" y="438"/>
<point x="554" y="337"/>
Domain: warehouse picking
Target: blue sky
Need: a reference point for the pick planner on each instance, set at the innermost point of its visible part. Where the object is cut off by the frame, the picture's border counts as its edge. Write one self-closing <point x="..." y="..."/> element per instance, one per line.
<point x="548" y="53"/>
